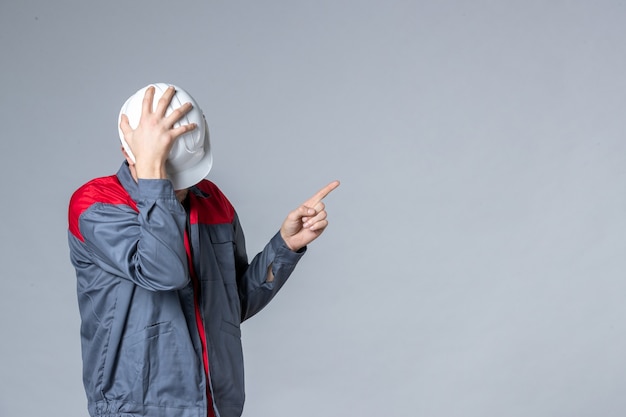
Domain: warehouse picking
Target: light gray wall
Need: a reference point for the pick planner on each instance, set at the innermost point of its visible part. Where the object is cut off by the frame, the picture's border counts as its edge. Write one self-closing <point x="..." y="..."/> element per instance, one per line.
<point x="474" y="265"/>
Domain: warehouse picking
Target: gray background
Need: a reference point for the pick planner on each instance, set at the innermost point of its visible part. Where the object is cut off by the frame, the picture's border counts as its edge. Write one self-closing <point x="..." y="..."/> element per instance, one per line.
<point x="474" y="261"/>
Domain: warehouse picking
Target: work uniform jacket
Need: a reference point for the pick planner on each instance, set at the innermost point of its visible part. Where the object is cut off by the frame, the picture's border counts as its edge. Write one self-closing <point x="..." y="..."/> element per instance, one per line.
<point x="162" y="290"/>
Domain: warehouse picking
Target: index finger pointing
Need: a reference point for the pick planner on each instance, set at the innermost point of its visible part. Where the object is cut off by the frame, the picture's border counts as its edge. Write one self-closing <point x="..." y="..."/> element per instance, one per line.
<point x="319" y="196"/>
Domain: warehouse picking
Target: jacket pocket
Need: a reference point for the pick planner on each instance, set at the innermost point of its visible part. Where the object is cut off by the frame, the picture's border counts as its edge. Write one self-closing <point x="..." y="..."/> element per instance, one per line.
<point x="222" y="240"/>
<point x="227" y="373"/>
<point x="160" y="367"/>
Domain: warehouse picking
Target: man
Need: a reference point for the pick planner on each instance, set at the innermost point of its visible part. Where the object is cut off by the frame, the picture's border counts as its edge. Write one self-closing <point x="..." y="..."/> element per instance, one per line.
<point x="163" y="276"/>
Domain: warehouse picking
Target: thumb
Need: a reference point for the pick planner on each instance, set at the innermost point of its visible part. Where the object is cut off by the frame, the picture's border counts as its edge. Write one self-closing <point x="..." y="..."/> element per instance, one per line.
<point x="125" y="125"/>
<point x="301" y="212"/>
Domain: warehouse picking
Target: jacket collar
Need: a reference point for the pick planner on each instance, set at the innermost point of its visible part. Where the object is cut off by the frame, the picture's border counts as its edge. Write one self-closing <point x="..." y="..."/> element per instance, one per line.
<point x="130" y="185"/>
<point x="127" y="181"/>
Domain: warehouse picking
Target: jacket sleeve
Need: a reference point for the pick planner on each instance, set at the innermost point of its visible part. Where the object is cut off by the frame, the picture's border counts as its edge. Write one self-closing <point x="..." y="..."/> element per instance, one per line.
<point x="254" y="290"/>
<point x="145" y="246"/>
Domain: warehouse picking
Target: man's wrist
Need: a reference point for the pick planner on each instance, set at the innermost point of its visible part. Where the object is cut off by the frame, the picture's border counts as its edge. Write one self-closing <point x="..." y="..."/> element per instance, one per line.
<point x="151" y="172"/>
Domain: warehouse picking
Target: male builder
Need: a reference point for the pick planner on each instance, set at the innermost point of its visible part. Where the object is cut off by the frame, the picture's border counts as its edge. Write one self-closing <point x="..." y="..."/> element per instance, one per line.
<point x="162" y="272"/>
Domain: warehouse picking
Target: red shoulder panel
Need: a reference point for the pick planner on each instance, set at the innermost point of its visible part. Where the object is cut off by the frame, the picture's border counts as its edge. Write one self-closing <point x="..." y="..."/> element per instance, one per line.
<point x="213" y="209"/>
<point x="107" y="190"/>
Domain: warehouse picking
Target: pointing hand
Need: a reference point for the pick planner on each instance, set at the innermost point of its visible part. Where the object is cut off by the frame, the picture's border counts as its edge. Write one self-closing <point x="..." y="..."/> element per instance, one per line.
<point x="304" y="224"/>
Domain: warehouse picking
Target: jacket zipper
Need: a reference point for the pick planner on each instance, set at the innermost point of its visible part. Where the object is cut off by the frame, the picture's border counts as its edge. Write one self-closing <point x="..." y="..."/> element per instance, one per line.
<point x="200" y="324"/>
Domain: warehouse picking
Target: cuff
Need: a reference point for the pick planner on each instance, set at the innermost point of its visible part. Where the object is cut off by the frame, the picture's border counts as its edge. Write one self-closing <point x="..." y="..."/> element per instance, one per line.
<point x="152" y="189"/>
<point x="282" y="252"/>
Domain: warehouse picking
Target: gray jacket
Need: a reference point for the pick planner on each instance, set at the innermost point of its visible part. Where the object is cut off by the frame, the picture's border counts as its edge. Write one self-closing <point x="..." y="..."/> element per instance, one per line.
<point x="147" y="316"/>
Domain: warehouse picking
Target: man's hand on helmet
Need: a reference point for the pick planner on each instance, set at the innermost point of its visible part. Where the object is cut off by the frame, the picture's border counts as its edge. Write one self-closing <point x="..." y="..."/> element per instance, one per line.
<point x="153" y="138"/>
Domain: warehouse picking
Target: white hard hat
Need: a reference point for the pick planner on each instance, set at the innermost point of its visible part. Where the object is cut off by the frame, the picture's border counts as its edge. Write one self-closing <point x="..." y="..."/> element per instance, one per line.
<point x="190" y="159"/>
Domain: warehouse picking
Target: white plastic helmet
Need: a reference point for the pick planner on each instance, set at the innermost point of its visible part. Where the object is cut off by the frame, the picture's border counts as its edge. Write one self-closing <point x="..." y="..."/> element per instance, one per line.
<point x="190" y="159"/>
